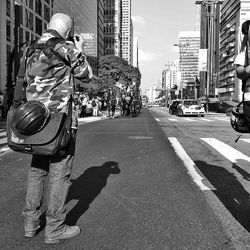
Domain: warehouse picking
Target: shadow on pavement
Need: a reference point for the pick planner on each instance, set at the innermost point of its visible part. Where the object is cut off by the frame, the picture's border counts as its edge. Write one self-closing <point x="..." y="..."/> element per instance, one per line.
<point x="229" y="190"/>
<point x="87" y="187"/>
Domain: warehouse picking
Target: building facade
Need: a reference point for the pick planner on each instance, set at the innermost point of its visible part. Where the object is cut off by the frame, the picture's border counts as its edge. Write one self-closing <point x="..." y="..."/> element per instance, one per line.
<point x="85" y="16"/>
<point x="170" y="80"/>
<point x="189" y="44"/>
<point x="100" y="29"/>
<point x="126" y="31"/>
<point x="210" y="33"/>
<point x="21" y="22"/>
<point x="112" y="27"/>
<point x="233" y="14"/>
<point x="24" y="21"/>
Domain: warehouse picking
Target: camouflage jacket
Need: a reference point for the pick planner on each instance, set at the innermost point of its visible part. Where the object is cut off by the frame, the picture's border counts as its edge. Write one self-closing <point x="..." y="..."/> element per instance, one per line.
<point x="49" y="80"/>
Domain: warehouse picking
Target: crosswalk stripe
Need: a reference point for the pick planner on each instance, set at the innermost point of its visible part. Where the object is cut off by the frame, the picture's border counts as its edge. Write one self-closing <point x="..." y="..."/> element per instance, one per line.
<point x="228" y="152"/>
<point x="4" y="149"/>
<point x="189" y="164"/>
<point x="221" y="119"/>
<point x="245" y="140"/>
<point x="3" y="133"/>
<point x="189" y="119"/>
<point x="206" y="120"/>
<point x="173" y="120"/>
<point x="3" y="140"/>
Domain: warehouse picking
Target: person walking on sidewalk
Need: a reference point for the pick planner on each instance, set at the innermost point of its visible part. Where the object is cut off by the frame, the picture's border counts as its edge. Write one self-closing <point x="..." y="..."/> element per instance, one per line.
<point x="95" y="105"/>
<point x="50" y="81"/>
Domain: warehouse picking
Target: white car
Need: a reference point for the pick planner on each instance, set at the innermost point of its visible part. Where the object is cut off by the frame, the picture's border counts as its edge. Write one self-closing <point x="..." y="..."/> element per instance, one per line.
<point x="190" y="107"/>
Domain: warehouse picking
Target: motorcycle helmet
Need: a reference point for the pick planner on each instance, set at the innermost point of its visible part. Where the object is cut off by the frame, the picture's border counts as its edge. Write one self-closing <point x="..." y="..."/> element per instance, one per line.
<point x="238" y="121"/>
<point x="30" y="117"/>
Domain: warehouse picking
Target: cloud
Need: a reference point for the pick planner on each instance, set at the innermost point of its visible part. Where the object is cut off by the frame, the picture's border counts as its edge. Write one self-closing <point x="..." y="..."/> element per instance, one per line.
<point x="139" y="20"/>
<point x="147" y="56"/>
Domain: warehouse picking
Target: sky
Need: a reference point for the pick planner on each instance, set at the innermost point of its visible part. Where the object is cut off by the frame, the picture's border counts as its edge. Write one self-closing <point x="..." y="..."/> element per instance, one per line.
<point x="157" y="25"/>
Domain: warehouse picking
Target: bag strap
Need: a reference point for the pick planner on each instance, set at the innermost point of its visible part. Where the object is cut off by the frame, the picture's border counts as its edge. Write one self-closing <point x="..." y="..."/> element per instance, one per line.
<point x="19" y="83"/>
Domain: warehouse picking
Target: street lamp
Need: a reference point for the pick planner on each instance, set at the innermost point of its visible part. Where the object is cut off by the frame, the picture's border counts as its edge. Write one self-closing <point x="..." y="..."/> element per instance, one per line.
<point x="210" y="7"/>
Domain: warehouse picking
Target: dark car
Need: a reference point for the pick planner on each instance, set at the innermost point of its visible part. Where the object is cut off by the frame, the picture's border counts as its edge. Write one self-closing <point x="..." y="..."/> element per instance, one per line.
<point x="173" y="107"/>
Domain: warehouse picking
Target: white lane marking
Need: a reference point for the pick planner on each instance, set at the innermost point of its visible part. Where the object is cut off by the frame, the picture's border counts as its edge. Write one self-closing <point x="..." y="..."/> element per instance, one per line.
<point x="157" y="119"/>
<point x="3" y="140"/>
<point x="138" y="137"/>
<point x="190" y="165"/>
<point x="206" y="120"/>
<point x="245" y="140"/>
<point x="173" y="120"/>
<point x="221" y="119"/>
<point x="3" y="133"/>
<point x="188" y="119"/>
<point x="228" y="152"/>
<point x="4" y="149"/>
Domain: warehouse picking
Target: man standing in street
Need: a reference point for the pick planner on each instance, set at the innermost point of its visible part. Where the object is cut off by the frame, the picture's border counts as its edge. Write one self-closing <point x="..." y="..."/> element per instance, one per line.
<point x="50" y="81"/>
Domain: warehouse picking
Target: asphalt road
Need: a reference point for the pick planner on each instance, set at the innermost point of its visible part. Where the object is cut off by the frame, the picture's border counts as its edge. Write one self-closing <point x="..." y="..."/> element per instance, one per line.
<point x="130" y="190"/>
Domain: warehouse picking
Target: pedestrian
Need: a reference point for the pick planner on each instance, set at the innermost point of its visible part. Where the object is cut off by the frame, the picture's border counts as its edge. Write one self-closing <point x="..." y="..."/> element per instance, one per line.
<point x="95" y="105"/>
<point x="111" y="103"/>
<point x="242" y="63"/>
<point x="51" y="82"/>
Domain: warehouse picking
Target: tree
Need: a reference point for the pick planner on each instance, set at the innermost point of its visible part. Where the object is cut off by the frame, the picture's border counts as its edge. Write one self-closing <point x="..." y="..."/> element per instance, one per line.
<point x="115" y="69"/>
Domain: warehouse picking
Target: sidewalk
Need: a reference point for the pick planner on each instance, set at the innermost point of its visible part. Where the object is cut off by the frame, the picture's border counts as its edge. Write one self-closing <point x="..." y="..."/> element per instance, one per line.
<point x="102" y="115"/>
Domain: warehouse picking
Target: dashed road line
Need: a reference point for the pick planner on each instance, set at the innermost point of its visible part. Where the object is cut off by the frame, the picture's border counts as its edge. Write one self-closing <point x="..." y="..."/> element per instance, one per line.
<point x="206" y="120"/>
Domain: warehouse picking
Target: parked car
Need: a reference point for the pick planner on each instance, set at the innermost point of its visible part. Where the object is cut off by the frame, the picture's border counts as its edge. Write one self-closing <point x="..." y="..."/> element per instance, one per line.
<point x="173" y="107"/>
<point x="190" y="107"/>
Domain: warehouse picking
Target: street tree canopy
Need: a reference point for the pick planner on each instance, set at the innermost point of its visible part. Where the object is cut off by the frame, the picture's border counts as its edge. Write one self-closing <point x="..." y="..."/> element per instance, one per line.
<point x="115" y="69"/>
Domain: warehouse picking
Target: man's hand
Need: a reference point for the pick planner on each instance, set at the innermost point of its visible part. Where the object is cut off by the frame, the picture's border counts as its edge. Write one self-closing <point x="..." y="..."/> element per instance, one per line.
<point x="79" y="42"/>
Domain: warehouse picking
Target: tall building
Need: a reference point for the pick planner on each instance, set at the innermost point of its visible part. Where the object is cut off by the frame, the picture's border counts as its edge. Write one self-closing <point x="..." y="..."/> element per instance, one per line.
<point x="233" y="14"/>
<point x="170" y="79"/>
<point x="209" y="34"/>
<point x="126" y="31"/>
<point x="112" y="26"/>
<point x="189" y="44"/>
<point x="85" y="15"/>
<point x="24" y="21"/>
<point x="21" y="22"/>
<point x="100" y="28"/>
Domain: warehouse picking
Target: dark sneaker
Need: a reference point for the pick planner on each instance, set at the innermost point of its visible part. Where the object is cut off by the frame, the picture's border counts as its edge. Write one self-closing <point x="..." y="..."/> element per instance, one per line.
<point x="69" y="232"/>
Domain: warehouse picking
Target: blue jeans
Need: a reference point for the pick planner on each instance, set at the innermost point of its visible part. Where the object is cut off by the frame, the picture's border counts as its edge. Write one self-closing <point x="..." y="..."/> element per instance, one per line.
<point x="59" y="167"/>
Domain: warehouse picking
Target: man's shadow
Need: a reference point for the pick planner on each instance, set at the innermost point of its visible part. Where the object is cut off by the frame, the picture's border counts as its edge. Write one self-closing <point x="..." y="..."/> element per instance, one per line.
<point x="87" y="187"/>
<point x="229" y="190"/>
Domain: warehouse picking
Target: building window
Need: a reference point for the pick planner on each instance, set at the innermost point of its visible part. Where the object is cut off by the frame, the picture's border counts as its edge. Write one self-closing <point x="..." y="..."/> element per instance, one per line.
<point x="31" y="4"/>
<point x="8" y="33"/>
<point x="27" y="36"/>
<point x="20" y="36"/>
<point x="8" y="7"/>
<point x="8" y="52"/>
<point x="39" y="27"/>
<point x="46" y="13"/>
<point x="38" y="7"/>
